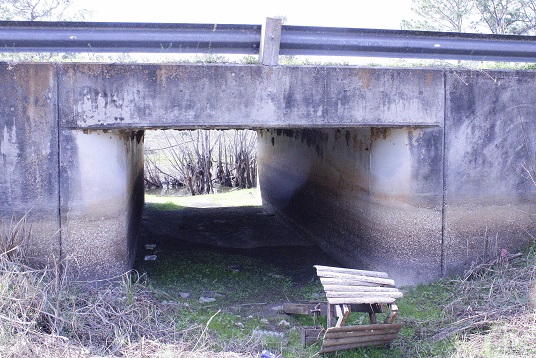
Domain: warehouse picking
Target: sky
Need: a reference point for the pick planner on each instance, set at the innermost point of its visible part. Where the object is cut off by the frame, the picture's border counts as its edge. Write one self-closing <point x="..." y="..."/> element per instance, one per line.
<point x="380" y="14"/>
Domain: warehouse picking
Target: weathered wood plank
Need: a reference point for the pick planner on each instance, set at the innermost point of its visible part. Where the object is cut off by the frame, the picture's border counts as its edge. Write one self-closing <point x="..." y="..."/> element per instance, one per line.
<point x="338" y="335"/>
<point x="330" y="294"/>
<point x="352" y="346"/>
<point x="392" y="314"/>
<point x="312" y="335"/>
<point x="350" y="288"/>
<point x="358" y="339"/>
<point x="377" y="341"/>
<point x="379" y="274"/>
<point x="366" y="327"/>
<point x="364" y="299"/>
<point x="342" y="312"/>
<point x="357" y="278"/>
<point x="345" y="282"/>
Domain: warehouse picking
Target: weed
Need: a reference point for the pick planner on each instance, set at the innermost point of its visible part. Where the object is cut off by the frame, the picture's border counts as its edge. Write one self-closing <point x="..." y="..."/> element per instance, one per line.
<point x="13" y="237"/>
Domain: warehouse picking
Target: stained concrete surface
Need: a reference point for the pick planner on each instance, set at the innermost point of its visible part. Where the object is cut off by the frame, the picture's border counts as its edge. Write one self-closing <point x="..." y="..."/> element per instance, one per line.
<point x="102" y="200"/>
<point x="365" y="195"/>
<point x="29" y="155"/>
<point x="245" y="96"/>
<point x="439" y="178"/>
<point x="490" y="139"/>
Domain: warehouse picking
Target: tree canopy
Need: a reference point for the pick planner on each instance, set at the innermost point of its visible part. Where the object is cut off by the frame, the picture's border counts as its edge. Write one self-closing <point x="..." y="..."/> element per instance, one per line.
<point x="495" y="16"/>
<point x="441" y="15"/>
<point x="33" y="10"/>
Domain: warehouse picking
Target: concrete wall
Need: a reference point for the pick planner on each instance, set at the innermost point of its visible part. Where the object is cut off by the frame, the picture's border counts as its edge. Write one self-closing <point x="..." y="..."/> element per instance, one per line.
<point x="96" y="176"/>
<point x="367" y="195"/>
<point x="389" y="199"/>
<point x="29" y="154"/>
<point x="490" y="134"/>
<point x="413" y="171"/>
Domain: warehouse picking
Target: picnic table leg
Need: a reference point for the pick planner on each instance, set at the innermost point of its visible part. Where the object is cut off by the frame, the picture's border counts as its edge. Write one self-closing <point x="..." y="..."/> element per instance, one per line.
<point x="343" y="311"/>
<point x="392" y="314"/>
<point x="329" y="313"/>
<point x="372" y="317"/>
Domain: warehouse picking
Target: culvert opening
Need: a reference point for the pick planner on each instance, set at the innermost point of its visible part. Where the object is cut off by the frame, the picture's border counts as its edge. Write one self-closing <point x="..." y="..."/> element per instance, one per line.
<point x="221" y="243"/>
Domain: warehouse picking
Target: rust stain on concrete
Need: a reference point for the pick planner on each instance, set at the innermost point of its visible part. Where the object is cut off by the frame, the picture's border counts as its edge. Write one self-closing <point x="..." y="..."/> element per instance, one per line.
<point x="366" y="76"/>
<point x="429" y="79"/>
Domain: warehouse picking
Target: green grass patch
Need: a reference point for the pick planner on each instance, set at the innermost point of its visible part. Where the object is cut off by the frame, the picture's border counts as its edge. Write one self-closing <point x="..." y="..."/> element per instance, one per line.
<point x="236" y="278"/>
<point x="233" y="198"/>
<point x="166" y="206"/>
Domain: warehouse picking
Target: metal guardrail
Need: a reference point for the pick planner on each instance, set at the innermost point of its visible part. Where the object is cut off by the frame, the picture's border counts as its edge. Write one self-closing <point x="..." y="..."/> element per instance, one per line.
<point x="42" y="36"/>
<point x="300" y="40"/>
<point x="25" y="36"/>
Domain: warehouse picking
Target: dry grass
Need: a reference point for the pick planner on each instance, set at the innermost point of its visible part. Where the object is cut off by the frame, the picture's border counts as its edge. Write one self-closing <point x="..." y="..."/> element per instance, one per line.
<point x="42" y="314"/>
<point x="493" y="313"/>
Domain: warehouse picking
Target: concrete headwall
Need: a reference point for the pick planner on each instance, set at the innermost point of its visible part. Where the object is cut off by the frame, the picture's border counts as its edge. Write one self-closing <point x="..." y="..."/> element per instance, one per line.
<point x="238" y="96"/>
<point x="416" y="202"/>
<point x="414" y="171"/>
<point x="82" y="191"/>
<point x="490" y="138"/>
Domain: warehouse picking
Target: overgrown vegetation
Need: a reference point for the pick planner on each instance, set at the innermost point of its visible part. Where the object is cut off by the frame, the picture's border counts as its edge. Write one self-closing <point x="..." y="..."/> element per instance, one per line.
<point x="488" y="312"/>
<point x="43" y="314"/>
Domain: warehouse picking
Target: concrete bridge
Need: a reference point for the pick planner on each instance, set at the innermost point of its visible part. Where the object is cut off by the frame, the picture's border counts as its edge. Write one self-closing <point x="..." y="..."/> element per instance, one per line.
<point x="416" y="172"/>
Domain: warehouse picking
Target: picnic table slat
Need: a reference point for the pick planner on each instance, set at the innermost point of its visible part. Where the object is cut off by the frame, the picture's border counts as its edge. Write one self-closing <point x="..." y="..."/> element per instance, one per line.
<point x="355" y="278"/>
<point x="378" y="274"/>
<point x="331" y="294"/>
<point x="357" y="300"/>
<point x="358" y="289"/>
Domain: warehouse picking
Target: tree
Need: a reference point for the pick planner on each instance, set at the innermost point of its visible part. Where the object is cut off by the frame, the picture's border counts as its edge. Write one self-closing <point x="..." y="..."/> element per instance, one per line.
<point x="495" y="16"/>
<point x="33" y="10"/>
<point x="502" y="16"/>
<point x="441" y="15"/>
<point x="201" y="158"/>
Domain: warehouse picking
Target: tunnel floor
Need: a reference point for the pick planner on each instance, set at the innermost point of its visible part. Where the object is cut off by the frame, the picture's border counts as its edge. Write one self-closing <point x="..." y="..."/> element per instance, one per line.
<point x="250" y="231"/>
<point x="242" y="255"/>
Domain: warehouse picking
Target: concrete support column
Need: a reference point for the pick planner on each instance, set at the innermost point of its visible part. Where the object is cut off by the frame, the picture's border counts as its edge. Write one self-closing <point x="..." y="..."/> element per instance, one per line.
<point x="101" y="200"/>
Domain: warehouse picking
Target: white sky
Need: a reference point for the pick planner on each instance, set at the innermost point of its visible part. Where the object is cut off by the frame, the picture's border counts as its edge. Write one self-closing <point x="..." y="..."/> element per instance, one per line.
<point x="381" y="14"/>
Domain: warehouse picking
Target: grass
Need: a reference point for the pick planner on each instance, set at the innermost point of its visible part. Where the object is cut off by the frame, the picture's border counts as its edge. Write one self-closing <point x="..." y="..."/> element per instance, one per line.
<point x="488" y="312"/>
<point x="242" y="197"/>
<point x="236" y="278"/>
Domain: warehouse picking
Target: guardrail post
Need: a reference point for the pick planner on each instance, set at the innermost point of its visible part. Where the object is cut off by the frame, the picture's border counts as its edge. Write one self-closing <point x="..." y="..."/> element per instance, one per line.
<point x="270" y="42"/>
